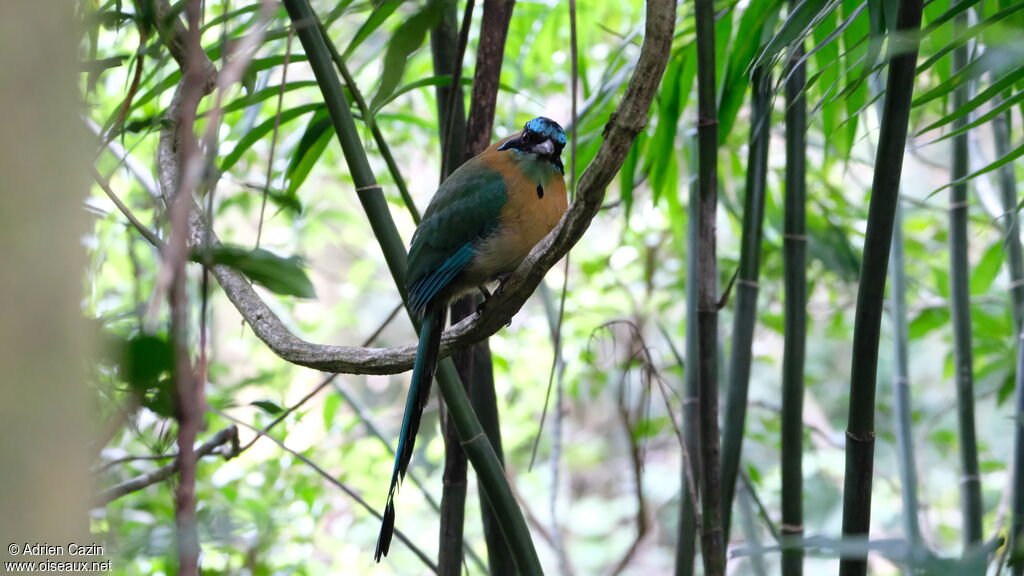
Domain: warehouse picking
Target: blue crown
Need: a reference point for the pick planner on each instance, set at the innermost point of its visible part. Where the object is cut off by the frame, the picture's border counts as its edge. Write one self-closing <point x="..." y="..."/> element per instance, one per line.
<point x="547" y="128"/>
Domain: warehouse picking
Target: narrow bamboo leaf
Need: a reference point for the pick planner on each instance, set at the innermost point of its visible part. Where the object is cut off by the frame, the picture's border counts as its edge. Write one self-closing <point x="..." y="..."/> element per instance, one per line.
<point x="261" y="130"/>
<point x="946" y="17"/>
<point x="275" y="273"/>
<point x="674" y="93"/>
<point x="331" y="404"/>
<point x="979" y="100"/>
<point x="627" y="175"/>
<point x="797" y="21"/>
<point x="407" y="39"/>
<point x="827" y="40"/>
<point x="434" y="81"/>
<point x="310" y="147"/>
<point x="741" y="53"/>
<point x="987" y="269"/>
<point x="972" y="32"/>
<point x="999" y="163"/>
<point x="268" y="406"/>
<point x="995" y="60"/>
<point x="264" y="94"/>
<point x="379" y="15"/>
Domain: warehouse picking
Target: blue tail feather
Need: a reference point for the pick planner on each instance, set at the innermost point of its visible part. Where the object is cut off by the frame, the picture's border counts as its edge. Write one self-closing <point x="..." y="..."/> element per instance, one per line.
<point x="419" y="395"/>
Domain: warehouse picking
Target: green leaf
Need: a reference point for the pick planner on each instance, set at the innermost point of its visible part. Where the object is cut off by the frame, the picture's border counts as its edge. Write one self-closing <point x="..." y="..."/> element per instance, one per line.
<point x="996" y="60"/>
<point x="741" y="54"/>
<point x="963" y="36"/>
<point x="929" y="319"/>
<point x="661" y="162"/>
<point x="331" y="404"/>
<point x="313" y="143"/>
<point x="797" y="25"/>
<point x="994" y="112"/>
<point x="275" y="273"/>
<point x="987" y="269"/>
<point x="408" y="38"/>
<point x="997" y="164"/>
<point x="264" y="94"/>
<point x="379" y="15"/>
<point x="147" y="361"/>
<point x="268" y="406"/>
<point x="258" y="132"/>
<point x="627" y="175"/>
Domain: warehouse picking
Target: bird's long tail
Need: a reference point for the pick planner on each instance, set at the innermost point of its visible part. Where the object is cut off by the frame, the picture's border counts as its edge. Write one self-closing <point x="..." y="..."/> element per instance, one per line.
<point x="419" y="394"/>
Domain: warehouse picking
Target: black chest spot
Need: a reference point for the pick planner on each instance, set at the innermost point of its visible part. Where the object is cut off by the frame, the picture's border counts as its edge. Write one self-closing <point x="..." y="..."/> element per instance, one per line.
<point x="540" y="191"/>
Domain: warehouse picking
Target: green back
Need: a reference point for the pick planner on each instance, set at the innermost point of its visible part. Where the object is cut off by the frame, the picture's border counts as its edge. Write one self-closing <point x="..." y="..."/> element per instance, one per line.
<point x="464" y="210"/>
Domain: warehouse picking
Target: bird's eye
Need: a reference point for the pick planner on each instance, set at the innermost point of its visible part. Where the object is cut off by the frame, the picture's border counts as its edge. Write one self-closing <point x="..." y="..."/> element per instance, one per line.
<point x="529" y="137"/>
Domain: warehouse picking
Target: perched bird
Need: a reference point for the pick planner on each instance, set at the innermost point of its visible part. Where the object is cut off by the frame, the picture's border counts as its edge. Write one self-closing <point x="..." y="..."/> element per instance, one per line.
<point x="481" y="223"/>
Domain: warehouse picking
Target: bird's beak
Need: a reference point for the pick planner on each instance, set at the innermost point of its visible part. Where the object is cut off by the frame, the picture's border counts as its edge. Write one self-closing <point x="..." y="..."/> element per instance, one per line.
<point x="545" y="148"/>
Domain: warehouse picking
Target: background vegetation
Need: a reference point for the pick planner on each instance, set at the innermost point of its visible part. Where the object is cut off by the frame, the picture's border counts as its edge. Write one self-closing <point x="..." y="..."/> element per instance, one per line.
<point x="795" y="86"/>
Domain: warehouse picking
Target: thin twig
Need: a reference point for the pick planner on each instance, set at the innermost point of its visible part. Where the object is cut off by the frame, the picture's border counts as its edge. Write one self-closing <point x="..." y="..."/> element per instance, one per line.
<point x="277" y="126"/>
<point x="214" y="446"/>
<point x="338" y="484"/>
<point x="146" y="233"/>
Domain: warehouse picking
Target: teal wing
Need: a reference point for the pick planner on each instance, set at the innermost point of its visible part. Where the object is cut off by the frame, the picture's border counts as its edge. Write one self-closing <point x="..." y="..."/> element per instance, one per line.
<point x="465" y="210"/>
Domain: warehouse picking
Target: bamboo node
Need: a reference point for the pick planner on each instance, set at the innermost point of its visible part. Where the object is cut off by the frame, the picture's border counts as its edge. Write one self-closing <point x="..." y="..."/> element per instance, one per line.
<point x="797" y="237"/>
<point x="792" y="528"/>
<point x="473" y="439"/>
<point x="370" y="187"/>
<point x="861" y="437"/>
<point x="967" y="478"/>
<point x="745" y="282"/>
<point x="1017" y="283"/>
<point x="957" y="205"/>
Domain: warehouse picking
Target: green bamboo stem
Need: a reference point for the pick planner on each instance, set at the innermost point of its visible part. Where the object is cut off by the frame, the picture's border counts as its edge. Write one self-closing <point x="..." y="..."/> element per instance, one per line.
<point x="689" y="524"/>
<point x="751" y="531"/>
<point x="1015" y="264"/>
<point x="901" y="389"/>
<point x="860" y="432"/>
<point x="475" y="443"/>
<point x="494" y="25"/>
<point x="959" y="278"/>
<point x="378" y="137"/>
<point x="451" y="118"/>
<point x="901" y="379"/>
<point x="795" y="329"/>
<point x="745" y="318"/>
<point x="713" y="551"/>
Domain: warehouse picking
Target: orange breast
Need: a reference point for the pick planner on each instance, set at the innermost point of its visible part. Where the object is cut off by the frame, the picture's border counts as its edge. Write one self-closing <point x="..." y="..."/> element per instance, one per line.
<point x="534" y="208"/>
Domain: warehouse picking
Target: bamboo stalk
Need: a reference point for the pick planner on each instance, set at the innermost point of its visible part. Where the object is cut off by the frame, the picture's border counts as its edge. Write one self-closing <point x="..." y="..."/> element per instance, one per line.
<point x="475" y="363"/>
<point x="795" y="328"/>
<point x="860" y="432"/>
<point x="960" y="308"/>
<point x="451" y="117"/>
<point x="901" y="390"/>
<point x="378" y="137"/>
<point x="477" y="448"/>
<point x="751" y="531"/>
<point x="713" y="551"/>
<point x="1015" y="263"/>
<point x="745" y="318"/>
<point x="689" y="514"/>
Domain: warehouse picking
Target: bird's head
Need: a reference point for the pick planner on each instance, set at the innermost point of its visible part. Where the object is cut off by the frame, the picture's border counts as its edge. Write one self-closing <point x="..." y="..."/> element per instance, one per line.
<point x="542" y="137"/>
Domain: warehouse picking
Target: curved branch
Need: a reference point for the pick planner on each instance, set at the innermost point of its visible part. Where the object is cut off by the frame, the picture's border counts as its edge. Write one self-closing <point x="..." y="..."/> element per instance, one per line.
<point x="628" y="120"/>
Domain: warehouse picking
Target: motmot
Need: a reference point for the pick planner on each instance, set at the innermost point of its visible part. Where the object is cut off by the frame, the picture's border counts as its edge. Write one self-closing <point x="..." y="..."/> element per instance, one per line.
<point x="479" y="226"/>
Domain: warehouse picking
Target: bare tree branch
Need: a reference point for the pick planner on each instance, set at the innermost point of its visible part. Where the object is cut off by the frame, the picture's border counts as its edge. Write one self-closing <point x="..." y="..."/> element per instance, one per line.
<point x="214" y="445"/>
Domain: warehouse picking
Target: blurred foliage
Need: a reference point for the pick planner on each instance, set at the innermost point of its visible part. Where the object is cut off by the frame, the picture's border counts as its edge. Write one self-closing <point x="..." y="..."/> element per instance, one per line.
<point x="266" y="512"/>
